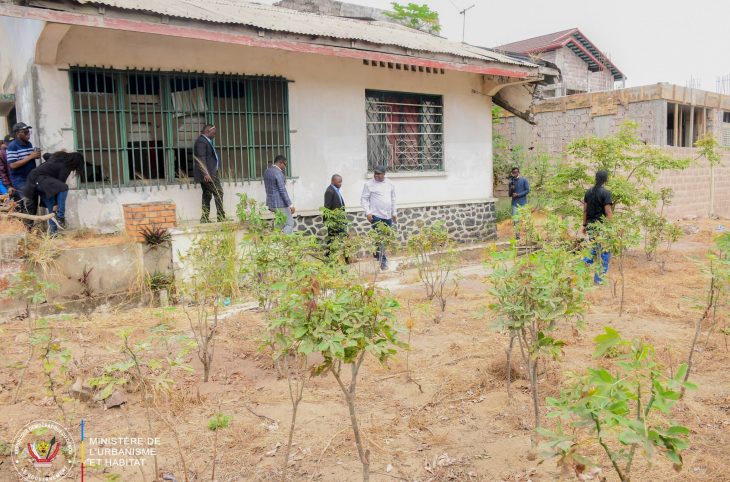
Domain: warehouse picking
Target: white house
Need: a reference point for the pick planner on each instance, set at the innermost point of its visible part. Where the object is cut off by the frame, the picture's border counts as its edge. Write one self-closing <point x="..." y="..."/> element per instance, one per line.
<point x="130" y="83"/>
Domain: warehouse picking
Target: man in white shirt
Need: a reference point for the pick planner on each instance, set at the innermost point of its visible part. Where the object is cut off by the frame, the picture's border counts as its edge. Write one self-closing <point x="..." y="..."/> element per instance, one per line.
<point x="378" y="202"/>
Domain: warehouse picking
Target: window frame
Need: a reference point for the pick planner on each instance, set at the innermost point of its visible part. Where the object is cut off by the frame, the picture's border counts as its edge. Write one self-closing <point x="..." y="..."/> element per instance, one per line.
<point x="252" y="117"/>
<point x="421" y="135"/>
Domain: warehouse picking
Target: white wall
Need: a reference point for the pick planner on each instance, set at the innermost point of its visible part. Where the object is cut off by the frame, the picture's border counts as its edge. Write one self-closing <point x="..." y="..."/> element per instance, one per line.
<point x="18" y="39"/>
<point x="327" y="119"/>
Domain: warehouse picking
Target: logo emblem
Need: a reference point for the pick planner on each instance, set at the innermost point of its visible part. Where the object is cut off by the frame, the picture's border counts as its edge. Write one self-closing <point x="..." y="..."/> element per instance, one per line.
<point x="43" y="451"/>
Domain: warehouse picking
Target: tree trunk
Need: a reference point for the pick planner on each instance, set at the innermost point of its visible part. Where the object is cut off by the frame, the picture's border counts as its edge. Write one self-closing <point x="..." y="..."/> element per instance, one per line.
<point x="362" y="452"/>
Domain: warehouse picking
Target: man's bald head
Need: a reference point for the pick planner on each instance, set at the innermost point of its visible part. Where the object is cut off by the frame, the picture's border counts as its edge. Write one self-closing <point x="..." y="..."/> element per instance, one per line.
<point x="336" y="180"/>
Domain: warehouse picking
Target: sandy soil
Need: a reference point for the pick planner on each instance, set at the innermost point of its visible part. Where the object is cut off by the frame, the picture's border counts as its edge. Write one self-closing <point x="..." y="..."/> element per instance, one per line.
<point x="454" y="421"/>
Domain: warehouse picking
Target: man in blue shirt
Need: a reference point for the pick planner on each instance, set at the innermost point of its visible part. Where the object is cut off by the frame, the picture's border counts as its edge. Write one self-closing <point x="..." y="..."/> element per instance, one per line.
<point x="21" y="156"/>
<point x="519" y="188"/>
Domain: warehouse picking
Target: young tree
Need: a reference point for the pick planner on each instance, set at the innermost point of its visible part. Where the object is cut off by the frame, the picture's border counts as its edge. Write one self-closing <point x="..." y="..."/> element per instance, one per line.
<point x="358" y="320"/>
<point x="622" y="411"/>
<point x="292" y="325"/>
<point x="718" y="273"/>
<point x="213" y="280"/>
<point x="633" y="166"/>
<point x="433" y="251"/>
<point x="416" y="16"/>
<point x="533" y="295"/>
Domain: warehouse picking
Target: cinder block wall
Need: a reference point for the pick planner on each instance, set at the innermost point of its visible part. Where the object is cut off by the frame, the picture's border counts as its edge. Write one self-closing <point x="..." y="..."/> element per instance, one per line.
<point x="138" y="216"/>
<point x="555" y="130"/>
<point x="692" y="186"/>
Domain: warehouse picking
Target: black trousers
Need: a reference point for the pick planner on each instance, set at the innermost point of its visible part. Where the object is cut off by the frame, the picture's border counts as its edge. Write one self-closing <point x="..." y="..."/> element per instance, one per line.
<point x="212" y="190"/>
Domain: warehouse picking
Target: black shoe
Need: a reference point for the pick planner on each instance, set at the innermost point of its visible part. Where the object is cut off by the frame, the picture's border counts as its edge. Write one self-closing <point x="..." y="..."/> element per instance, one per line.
<point x="204" y="220"/>
<point x="61" y="221"/>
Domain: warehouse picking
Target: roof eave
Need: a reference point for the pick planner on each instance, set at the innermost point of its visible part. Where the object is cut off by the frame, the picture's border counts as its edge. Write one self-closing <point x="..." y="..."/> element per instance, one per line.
<point x="288" y="42"/>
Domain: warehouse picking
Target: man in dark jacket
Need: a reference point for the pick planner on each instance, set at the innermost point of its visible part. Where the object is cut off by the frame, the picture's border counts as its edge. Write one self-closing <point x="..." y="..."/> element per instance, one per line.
<point x="205" y="171"/>
<point x="334" y="201"/>
<point x="49" y="182"/>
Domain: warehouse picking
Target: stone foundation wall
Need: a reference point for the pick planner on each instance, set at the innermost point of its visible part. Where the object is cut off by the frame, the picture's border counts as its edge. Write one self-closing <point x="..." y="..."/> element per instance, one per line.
<point x="467" y="223"/>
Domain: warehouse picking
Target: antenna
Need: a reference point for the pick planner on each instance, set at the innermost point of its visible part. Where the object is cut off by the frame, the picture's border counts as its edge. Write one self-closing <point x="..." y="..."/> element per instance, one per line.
<point x="463" y="24"/>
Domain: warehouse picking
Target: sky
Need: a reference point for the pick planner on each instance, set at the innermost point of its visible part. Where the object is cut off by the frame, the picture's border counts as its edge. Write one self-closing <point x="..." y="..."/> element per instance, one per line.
<point x="677" y="41"/>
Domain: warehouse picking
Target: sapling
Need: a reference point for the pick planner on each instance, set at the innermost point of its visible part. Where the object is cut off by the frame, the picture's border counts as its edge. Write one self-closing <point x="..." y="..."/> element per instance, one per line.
<point x="54" y="362"/>
<point x="216" y="423"/>
<point x="433" y="252"/>
<point x="533" y="295"/>
<point x="213" y="279"/>
<point x="292" y="325"/>
<point x="623" y="411"/>
<point x="29" y="287"/>
<point x="718" y="272"/>
<point x="360" y="320"/>
<point x="616" y="236"/>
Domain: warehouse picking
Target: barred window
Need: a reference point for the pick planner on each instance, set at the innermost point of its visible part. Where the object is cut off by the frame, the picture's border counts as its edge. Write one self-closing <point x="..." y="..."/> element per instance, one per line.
<point x="404" y="131"/>
<point x="139" y="127"/>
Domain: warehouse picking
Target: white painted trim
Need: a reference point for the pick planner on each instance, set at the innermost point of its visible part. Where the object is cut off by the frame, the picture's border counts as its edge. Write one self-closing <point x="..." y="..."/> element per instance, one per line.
<point x="409" y="175"/>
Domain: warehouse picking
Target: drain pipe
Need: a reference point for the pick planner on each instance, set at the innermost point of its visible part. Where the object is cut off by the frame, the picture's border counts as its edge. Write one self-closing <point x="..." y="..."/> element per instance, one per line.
<point x="712" y="190"/>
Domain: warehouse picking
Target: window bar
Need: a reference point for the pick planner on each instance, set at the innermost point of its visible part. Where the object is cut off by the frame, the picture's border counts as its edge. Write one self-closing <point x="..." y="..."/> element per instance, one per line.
<point x="285" y="109"/>
<point x="122" y="82"/>
<point x="249" y="129"/>
<point x="273" y="115"/>
<point x="257" y="127"/>
<point x="148" y="129"/>
<point x="71" y="74"/>
<point x="226" y="83"/>
<point x="159" y="135"/>
<point x="88" y="117"/>
<point x="100" y="79"/>
<point x="114" y="98"/>
<point x="108" y="134"/>
<point x="260" y="155"/>
<point x="263" y="124"/>
<point x="95" y="135"/>
<point x="276" y="93"/>
<point x="136" y="143"/>
<point x="238" y="163"/>
<point x="167" y="117"/>
<point x="267" y="128"/>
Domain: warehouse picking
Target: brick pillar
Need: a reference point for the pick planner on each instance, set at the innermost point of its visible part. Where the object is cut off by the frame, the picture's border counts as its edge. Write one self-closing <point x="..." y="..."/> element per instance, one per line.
<point x="137" y="216"/>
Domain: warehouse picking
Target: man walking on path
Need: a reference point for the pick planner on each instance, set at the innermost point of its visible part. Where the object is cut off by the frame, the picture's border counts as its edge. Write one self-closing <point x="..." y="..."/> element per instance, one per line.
<point x="378" y="202"/>
<point x="519" y="188"/>
<point x="597" y="206"/>
<point x="277" y="198"/>
<point x="205" y="171"/>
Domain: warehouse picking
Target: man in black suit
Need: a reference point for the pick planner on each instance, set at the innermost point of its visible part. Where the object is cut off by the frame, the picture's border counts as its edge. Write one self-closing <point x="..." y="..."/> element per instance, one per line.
<point x="333" y="200"/>
<point x="205" y="171"/>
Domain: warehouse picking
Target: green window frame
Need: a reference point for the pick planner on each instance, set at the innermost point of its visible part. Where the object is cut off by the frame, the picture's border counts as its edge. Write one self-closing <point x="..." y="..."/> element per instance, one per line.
<point x="404" y="131"/>
<point x="138" y="127"/>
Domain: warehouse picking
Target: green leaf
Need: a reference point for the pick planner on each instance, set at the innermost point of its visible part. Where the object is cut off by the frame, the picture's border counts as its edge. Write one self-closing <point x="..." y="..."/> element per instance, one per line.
<point x="604" y="342"/>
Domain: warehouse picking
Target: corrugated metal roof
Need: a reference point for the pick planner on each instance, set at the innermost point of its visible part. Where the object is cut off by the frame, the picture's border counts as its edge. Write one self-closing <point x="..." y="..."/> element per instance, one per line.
<point x="538" y="44"/>
<point x="279" y="19"/>
<point x="556" y="40"/>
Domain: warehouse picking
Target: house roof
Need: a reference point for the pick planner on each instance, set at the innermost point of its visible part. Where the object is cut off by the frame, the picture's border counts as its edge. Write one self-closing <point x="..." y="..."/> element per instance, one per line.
<point x="571" y="38"/>
<point x="278" y="19"/>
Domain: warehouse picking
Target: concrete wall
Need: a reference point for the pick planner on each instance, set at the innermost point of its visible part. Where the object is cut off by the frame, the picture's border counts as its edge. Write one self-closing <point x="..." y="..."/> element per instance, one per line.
<point x="327" y="121"/>
<point x="17" y="73"/>
<point x="555" y="130"/>
<point x="692" y="186"/>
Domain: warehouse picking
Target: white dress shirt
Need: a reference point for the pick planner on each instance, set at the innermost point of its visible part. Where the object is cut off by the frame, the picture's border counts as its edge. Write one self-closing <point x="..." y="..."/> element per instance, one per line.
<point x="378" y="199"/>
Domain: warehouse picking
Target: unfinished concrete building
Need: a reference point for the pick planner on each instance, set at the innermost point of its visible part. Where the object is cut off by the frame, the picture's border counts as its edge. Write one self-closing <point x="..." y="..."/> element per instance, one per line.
<point x="583" y="66"/>
<point x="668" y="115"/>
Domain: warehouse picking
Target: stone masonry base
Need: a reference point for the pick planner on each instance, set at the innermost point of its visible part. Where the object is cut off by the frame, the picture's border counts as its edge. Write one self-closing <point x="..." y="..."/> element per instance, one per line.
<point x="467" y="223"/>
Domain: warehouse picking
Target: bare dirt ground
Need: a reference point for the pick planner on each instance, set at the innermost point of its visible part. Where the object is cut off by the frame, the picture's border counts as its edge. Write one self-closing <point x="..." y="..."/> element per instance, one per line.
<point x="454" y="421"/>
